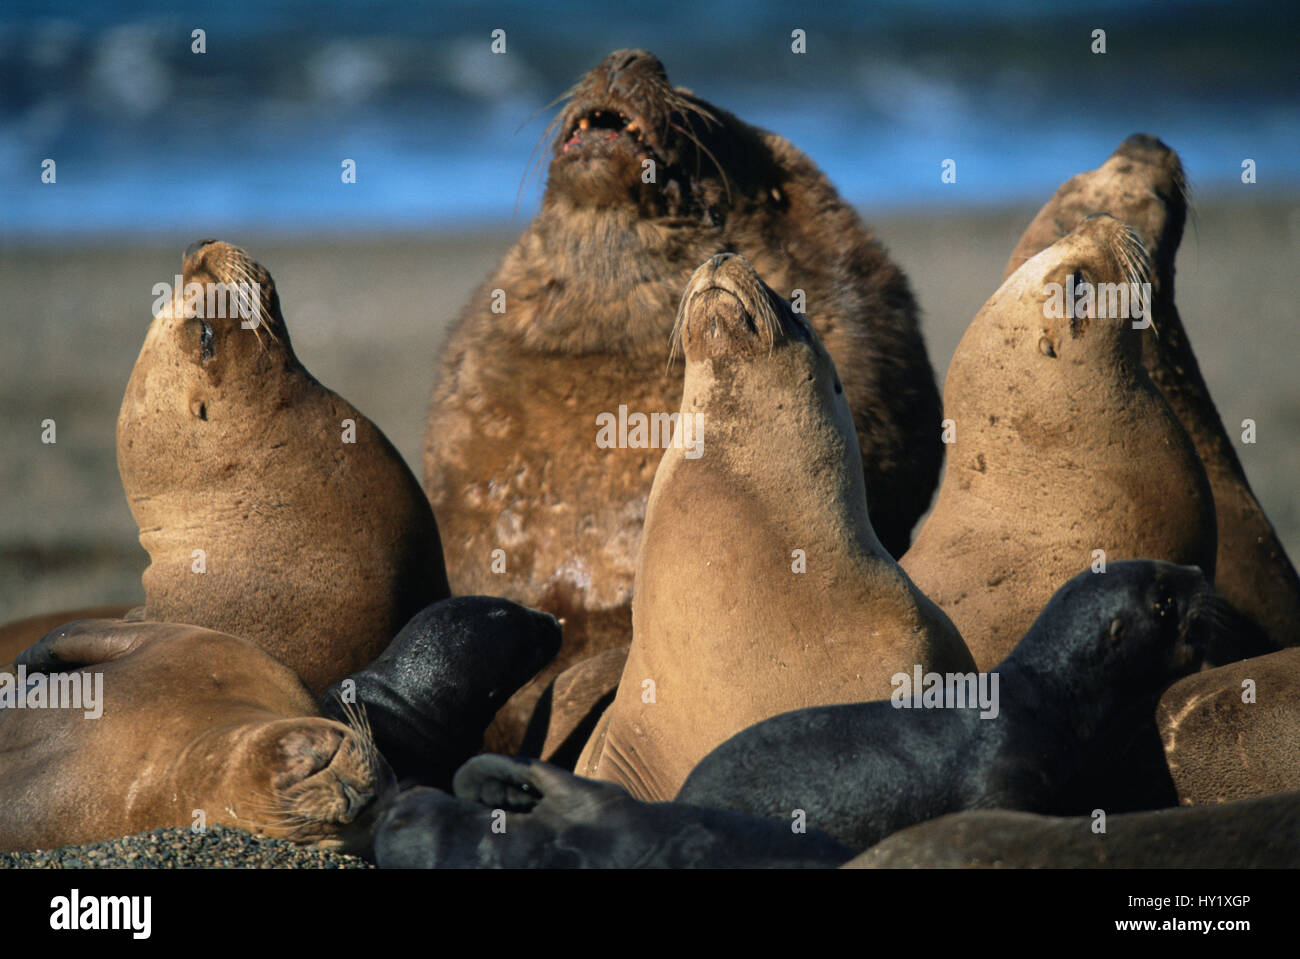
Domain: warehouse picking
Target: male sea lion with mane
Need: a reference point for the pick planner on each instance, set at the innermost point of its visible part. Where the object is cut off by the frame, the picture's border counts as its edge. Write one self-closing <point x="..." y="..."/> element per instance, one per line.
<point x="647" y="181"/>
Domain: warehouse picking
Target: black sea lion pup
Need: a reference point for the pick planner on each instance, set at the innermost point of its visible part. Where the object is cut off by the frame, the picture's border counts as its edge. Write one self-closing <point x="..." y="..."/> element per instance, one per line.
<point x="516" y="813"/>
<point x="1262" y="833"/>
<point x="645" y="183"/>
<point x="1069" y="726"/>
<point x="432" y="692"/>
<point x="185" y="721"/>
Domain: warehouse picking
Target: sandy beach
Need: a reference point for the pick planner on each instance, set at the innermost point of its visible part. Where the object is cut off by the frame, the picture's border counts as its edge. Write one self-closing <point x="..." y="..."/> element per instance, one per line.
<point x="367" y="315"/>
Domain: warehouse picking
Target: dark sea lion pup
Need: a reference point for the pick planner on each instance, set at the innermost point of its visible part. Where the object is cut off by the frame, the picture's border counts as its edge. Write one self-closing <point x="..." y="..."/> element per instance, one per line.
<point x="646" y="182"/>
<point x="271" y="509"/>
<point x="521" y="813"/>
<point x="432" y="692"/>
<point x="184" y="720"/>
<point x="1143" y="184"/>
<point x="1070" y="728"/>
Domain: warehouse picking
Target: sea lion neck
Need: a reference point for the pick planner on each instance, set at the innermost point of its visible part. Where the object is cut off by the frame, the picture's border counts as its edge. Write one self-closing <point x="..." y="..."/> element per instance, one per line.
<point x="634" y="267"/>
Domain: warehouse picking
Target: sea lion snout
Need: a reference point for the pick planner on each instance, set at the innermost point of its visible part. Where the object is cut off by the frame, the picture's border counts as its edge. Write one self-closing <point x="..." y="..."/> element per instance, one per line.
<point x="328" y="773"/>
<point x="1145" y="148"/>
<point x="623" y="68"/>
<point x="727" y="307"/>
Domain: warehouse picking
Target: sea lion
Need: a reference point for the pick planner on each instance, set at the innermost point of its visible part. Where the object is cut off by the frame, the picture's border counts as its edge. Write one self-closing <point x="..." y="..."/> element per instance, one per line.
<point x="571" y="706"/>
<point x="428" y="697"/>
<point x="761" y="586"/>
<point x="1234" y="732"/>
<point x="1063" y="447"/>
<point x="1250" y="834"/>
<point x="317" y="543"/>
<point x="520" y="813"/>
<point x="1068" y="728"/>
<point x="1143" y="184"/>
<point x="16" y="635"/>
<point x="569" y="334"/>
<point x="190" y="720"/>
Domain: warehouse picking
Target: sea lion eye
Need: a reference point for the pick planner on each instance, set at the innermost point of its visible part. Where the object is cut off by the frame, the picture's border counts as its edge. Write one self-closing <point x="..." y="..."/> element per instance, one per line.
<point x="205" y="341"/>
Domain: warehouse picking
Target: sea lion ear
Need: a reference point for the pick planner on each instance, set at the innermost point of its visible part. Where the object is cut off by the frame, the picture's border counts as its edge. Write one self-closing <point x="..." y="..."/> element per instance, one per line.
<point x="83" y="643"/>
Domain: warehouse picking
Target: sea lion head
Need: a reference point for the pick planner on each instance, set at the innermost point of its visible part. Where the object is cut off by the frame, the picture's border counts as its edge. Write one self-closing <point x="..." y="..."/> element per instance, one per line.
<point x="308" y="780"/>
<point x="628" y="138"/>
<point x="1142" y="183"/>
<point x="1124" y="635"/>
<point x="437" y="686"/>
<point x="745" y="346"/>
<point x="194" y="719"/>
<point x="756" y="367"/>
<point x="1055" y="316"/>
<point x="729" y="319"/>
<point x="221" y="324"/>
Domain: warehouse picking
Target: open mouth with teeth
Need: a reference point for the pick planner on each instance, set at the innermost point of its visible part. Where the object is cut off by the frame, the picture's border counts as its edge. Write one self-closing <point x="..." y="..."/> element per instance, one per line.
<point x="602" y="125"/>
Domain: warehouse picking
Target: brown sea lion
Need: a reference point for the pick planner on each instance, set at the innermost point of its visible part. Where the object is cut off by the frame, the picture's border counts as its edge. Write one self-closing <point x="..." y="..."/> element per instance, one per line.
<point x="761" y="586"/>
<point x="18" y="634"/>
<point x="1234" y="732"/>
<point x="1063" y="446"/>
<point x="189" y="720"/>
<point x="1143" y="184"/>
<point x="316" y="541"/>
<point x="645" y="183"/>
<point x="1250" y="834"/>
<point x="571" y="706"/>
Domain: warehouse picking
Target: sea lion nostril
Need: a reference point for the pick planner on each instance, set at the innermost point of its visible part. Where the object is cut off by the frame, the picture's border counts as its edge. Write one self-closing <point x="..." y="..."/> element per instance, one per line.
<point x="196" y="246"/>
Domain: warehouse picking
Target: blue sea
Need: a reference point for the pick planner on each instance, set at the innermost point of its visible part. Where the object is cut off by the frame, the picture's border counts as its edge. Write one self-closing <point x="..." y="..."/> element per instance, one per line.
<point x="250" y="135"/>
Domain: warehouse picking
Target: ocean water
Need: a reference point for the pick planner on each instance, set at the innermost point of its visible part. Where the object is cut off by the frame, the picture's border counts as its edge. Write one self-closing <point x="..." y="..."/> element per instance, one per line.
<point x="147" y="135"/>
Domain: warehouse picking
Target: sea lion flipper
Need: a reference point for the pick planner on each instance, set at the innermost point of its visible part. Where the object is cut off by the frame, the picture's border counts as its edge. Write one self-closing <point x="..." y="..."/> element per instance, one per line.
<point x="81" y="643"/>
<point x="499" y="781"/>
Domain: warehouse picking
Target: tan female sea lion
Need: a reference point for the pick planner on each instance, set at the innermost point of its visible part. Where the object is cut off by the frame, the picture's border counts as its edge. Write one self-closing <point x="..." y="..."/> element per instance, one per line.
<point x="271" y="509"/>
<point x="173" y="726"/>
<point x="1062" y="446"/>
<point x="1143" y="184"/>
<point x="761" y="586"/>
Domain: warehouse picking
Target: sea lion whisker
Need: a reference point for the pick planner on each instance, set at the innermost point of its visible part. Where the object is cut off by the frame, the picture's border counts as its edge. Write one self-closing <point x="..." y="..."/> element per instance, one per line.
<point x="537" y="154"/>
